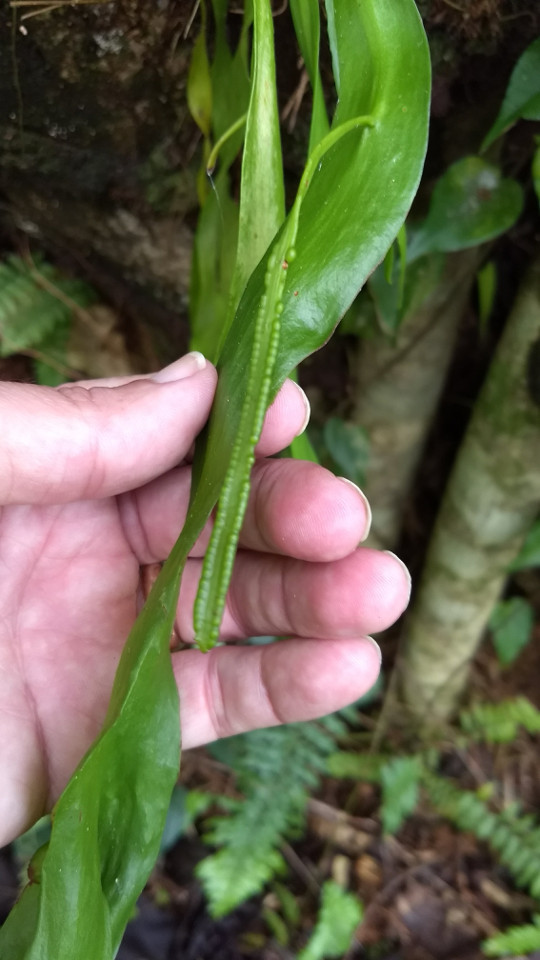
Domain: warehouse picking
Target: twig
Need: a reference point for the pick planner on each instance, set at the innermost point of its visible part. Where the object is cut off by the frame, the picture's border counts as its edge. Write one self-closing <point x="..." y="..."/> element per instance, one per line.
<point x="291" y="109"/>
<point x="191" y="18"/>
<point x="40" y="11"/>
<point x="301" y="869"/>
<point x="333" y="815"/>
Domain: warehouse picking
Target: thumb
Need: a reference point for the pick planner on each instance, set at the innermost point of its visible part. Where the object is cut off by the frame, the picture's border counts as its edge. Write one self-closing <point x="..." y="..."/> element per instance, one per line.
<point x="83" y="441"/>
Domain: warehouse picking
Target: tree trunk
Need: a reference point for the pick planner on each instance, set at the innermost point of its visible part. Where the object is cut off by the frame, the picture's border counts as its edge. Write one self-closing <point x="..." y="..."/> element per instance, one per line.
<point x="490" y="502"/>
<point x="397" y="389"/>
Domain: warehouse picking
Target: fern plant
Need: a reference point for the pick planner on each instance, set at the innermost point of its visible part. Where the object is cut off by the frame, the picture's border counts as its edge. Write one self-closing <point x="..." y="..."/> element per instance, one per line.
<point x="515" y="942"/>
<point x="276" y="771"/>
<point x="278" y="768"/>
<point x="513" y="836"/>
<point x="339" y="915"/>
<point x="400" y="779"/>
<point x="37" y="303"/>
<point x="500" y="722"/>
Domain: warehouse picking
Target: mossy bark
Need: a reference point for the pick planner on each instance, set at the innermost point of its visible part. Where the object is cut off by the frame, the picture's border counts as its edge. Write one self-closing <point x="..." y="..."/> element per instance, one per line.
<point x="490" y="502"/>
<point x="397" y="388"/>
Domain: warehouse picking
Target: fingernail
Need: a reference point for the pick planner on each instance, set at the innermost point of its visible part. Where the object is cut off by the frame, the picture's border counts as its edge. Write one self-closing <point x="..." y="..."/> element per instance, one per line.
<point x="307" y="405"/>
<point x="181" y="369"/>
<point x="367" y="507"/>
<point x="377" y="647"/>
<point x="403" y="567"/>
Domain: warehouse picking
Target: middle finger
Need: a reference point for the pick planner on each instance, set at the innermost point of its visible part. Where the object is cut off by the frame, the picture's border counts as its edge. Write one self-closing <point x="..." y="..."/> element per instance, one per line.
<point x="360" y="594"/>
<point x="295" y="508"/>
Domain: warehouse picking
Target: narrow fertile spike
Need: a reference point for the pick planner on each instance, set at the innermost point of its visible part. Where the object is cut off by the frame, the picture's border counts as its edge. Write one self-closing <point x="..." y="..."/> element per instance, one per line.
<point x="219" y="559"/>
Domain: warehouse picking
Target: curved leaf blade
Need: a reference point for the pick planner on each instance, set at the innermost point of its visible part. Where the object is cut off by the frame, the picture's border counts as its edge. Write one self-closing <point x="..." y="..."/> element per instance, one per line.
<point x="529" y="555"/>
<point x="262" y="196"/>
<point x="522" y="98"/>
<point x="471" y="203"/>
<point x="214" y="246"/>
<point x="199" y="85"/>
<point x="511" y="625"/>
<point x="307" y="26"/>
<point x="364" y="186"/>
<point x="108" y="823"/>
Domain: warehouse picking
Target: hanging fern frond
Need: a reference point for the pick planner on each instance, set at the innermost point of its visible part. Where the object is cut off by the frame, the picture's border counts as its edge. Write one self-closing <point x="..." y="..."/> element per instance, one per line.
<point x="515" y="941"/>
<point x="500" y="722"/>
<point x="515" y="838"/>
<point x="35" y="302"/>
<point x="276" y="771"/>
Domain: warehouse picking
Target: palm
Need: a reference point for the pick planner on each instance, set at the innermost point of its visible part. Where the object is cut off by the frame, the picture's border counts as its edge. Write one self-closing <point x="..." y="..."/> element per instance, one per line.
<point x="68" y="598"/>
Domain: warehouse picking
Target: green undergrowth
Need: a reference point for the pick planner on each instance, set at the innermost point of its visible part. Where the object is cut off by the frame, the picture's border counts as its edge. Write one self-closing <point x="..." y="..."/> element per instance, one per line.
<point x="277" y="770"/>
<point x="518" y="941"/>
<point x="340" y="914"/>
<point x="37" y="305"/>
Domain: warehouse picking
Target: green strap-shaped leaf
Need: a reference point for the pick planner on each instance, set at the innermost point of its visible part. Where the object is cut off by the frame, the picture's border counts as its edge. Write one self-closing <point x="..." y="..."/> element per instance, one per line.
<point x="199" y="86"/>
<point x="231" y="84"/>
<point x="522" y="98"/>
<point x="364" y="186"/>
<point x="214" y="247"/>
<point x="307" y="25"/>
<point x="108" y="822"/>
<point x="219" y="558"/>
<point x="199" y="96"/>
<point x="352" y="207"/>
<point x="262" y="199"/>
<point x="212" y="266"/>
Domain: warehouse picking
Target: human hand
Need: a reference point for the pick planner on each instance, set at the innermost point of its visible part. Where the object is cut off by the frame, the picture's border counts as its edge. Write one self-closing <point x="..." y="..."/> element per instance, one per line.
<point x="93" y="486"/>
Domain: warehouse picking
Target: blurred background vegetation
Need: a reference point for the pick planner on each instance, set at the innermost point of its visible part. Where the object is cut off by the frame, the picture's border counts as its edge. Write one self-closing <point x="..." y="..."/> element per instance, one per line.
<point x="406" y="827"/>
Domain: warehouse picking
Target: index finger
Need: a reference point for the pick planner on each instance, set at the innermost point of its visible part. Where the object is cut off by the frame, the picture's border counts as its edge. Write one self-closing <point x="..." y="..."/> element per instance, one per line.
<point x="286" y="418"/>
